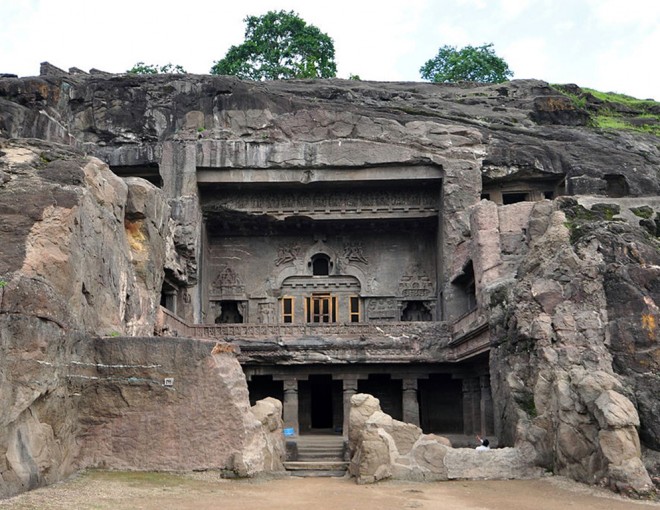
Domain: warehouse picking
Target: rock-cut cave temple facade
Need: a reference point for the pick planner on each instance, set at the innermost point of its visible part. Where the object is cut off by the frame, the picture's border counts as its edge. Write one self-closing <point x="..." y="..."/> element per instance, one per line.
<point x="416" y="242"/>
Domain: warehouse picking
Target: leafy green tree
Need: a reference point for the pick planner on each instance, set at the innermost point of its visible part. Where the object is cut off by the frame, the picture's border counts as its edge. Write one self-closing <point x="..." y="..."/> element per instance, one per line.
<point x="280" y="45"/>
<point x="142" y="68"/>
<point x="467" y="64"/>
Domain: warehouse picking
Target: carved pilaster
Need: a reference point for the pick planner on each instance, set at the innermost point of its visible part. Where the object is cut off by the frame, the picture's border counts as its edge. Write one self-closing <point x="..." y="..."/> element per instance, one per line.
<point x="486" y="408"/>
<point x="290" y="405"/>
<point x="350" y="389"/>
<point x="471" y="406"/>
<point x="410" y="402"/>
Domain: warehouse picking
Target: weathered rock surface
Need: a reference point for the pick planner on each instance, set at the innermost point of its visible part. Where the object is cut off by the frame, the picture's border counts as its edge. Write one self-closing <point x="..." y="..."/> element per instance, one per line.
<point x="168" y="403"/>
<point x="575" y="346"/>
<point x="82" y="255"/>
<point x="384" y="448"/>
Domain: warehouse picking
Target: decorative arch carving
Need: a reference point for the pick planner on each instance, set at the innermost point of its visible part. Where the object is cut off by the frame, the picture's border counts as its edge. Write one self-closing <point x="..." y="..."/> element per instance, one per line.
<point x="228" y="284"/>
<point x="415" y="283"/>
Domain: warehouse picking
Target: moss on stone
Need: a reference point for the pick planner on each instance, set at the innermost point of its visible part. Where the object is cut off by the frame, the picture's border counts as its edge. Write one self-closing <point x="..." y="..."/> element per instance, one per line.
<point x="605" y="211"/>
<point x="526" y="403"/>
<point x="644" y="211"/>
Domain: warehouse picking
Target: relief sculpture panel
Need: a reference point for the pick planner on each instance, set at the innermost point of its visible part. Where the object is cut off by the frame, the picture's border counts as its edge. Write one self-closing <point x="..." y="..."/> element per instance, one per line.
<point x="383" y="309"/>
<point x="353" y="253"/>
<point x="287" y="253"/>
<point x="227" y="284"/>
<point x="415" y="284"/>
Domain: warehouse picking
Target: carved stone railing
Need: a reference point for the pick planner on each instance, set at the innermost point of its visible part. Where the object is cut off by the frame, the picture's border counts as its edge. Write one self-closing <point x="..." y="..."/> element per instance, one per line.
<point x="470" y="336"/>
<point x="170" y="324"/>
<point x="413" y="340"/>
<point x="362" y="330"/>
<point x="465" y="322"/>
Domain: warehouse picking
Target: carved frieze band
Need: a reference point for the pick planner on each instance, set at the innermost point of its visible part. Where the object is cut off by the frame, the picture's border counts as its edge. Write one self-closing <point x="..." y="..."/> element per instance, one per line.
<point x="399" y="201"/>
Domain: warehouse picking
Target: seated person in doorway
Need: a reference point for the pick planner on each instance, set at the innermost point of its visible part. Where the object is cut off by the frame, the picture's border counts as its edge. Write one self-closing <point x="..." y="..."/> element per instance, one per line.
<point x="484" y="445"/>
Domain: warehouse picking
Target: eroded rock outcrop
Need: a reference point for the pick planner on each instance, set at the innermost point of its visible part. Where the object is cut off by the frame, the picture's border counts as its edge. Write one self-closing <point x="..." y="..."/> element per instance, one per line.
<point x="383" y="448"/>
<point x="567" y="371"/>
<point x="83" y="257"/>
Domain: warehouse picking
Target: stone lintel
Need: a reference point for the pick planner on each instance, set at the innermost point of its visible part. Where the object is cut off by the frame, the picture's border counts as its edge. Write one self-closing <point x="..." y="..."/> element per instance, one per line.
<point x="317" y="175"/>
<point x="292" y="374"/>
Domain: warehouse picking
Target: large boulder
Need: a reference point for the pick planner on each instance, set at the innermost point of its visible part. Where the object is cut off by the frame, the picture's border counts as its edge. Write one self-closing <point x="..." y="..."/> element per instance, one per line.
<point x="384" y="448"/>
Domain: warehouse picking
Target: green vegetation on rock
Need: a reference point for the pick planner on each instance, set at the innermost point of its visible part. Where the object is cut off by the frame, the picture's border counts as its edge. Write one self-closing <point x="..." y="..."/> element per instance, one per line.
<point x="643" y="211"/>
<point x="612" y="111"/>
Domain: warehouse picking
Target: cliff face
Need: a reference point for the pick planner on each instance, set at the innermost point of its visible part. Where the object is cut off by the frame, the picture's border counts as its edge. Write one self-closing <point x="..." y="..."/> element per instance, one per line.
<point x="574" y="345"/>
<point x="571" y="296"/>
<point x="82" y="256"/>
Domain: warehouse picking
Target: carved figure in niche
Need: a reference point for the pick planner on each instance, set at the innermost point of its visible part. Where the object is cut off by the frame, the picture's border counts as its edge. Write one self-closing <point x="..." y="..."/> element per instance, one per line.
<point x="416" y="311"/>
<point x="415" y="284"/>
<point x="353" y="253"/>
<point x="229" y="283"/>
<point x="229" y="312"/>
<point x="266" y="313"/>
<point x="287" y="254"/>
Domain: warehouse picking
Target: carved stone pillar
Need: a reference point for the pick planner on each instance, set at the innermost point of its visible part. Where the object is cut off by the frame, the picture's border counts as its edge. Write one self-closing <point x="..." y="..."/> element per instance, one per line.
<point x="486" y="406"/>
<point x="471" y="406"/>
<point x="350" y="388"/>
<point x="410" y="402"/>
<point x="290" y="405"/>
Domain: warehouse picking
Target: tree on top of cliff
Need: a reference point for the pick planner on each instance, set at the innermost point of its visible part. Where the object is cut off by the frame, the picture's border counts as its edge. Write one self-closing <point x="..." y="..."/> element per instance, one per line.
<point x="467" y="64"/>
<point x="280" y="45"/>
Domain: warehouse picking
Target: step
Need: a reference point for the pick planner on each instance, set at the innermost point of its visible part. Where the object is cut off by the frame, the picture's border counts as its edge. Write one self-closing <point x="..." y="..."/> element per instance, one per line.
<point x="316" y="466"/>
<point x="320" y="444"/>
<point x="319" y="458"/>
<point x="318" y="474"/>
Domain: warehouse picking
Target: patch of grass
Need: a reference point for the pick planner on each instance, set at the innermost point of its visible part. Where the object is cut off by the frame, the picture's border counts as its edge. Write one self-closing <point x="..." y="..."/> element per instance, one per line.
<point x="579" y="218"/>
<point x="3" y="283"/>
<point x="577" y="100"/>
<point x="618" y="122"/>
<point x="610" y="122"/>
<point x="613" y="97"/>
<point x="615" y="112"/>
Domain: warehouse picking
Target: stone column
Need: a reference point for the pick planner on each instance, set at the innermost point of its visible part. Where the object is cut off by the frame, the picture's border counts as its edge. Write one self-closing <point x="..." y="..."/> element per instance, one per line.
<point x="350" y="388"/>
<point x="290" y="405"/>
<point x="471" y="398"/>
<point x="410" y="402"/>
<point x="486" y="407"/>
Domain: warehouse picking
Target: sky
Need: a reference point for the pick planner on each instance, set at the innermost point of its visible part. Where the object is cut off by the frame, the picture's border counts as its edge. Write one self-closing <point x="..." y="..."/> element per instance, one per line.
<point x="609" y="45"/>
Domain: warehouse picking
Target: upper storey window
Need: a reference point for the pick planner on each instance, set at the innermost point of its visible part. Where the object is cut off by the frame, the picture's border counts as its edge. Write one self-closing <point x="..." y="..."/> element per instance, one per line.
<point x="321" y="265"/>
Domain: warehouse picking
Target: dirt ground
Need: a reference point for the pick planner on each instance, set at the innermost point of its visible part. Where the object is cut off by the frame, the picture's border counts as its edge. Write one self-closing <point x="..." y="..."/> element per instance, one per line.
<point x="101" y="490"/>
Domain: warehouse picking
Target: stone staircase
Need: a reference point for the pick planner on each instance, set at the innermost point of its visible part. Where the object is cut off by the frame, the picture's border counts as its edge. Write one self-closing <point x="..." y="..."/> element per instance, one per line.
<point x="316" y="455"/>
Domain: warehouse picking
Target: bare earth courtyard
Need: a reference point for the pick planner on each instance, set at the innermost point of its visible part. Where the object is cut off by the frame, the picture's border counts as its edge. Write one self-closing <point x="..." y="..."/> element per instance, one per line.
<point x="116" y="490"/>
